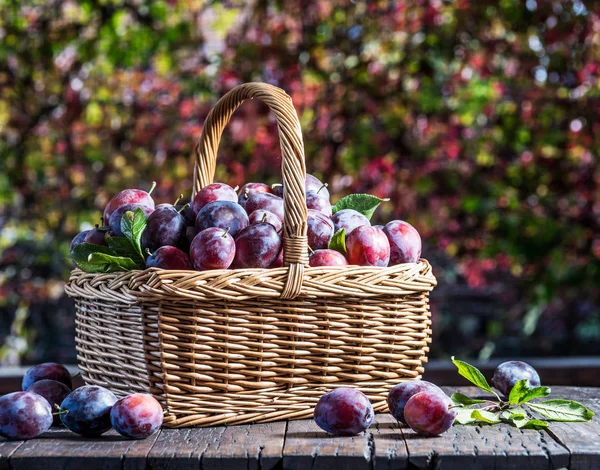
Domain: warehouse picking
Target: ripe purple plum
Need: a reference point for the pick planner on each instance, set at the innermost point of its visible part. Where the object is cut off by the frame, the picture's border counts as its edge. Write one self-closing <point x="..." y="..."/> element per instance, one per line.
<point x="429" y="413"/>
<point x="312" y="184"/>
<point x="278" y="263"/>
<point x="262" y="215"/>
<point x="319" y="230"/>
<point x="249" y="189"/>
<point x="257" y="246"/>
<point x="402" y="392"/>
<point x="223" y="215"/>
<point x="265" y="201"/>
<point x="327" y="258"/>
<point x="96" y="236"/>
<point x="211" y="193"/>
<point x="126" y="197"/>
<point x="277" y="189"/>
<point x="168" y="257"/>
<point x="117" y="215"/>
<point x="368" y="246"/>
<point x="78" y="240"/>
<point x="187" y="212"/>
<point x="49" y="371"/>
<point x="318" y="202"/>
<point x="405" y="242"/>
<point x="54" y="392"/>
<point x="165" y="226"/>
<point x="24" y="415"/>
<point x="86" y="410"/>
<point x="212" y="248"/>
<point x="348" y="219"/>
<point x="344" y="411"/>
<point x="136" y="416"/>
<point x="509" y="373"/>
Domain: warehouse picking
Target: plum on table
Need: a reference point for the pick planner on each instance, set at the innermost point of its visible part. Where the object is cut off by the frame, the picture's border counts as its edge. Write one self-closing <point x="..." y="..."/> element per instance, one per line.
<point x="344" y="411"/>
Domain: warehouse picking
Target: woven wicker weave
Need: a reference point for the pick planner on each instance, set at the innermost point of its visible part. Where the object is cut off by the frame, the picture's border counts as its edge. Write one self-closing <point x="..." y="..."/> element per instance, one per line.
<point x="253" y="345"/>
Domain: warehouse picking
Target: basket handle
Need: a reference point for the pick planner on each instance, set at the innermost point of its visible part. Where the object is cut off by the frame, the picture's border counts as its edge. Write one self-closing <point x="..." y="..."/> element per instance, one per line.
<point x="293" y="168"/>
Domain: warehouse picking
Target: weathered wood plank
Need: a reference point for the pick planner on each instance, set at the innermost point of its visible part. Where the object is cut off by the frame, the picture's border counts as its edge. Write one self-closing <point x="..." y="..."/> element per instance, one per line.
<point x="182" y="449"/>
<point x="581" y="439"/>
<point x="7" y="448"/>
<point x="307" y="446"/>
<point x="62" y="449"/>
<point x="390" y="449"/>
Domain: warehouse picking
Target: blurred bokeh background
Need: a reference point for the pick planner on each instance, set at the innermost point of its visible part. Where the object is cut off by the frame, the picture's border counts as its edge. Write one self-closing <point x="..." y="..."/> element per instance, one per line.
<point x="478" y="119"/>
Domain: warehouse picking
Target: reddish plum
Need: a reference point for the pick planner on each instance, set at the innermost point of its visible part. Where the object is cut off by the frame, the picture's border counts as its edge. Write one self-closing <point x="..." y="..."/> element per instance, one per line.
<point x="165" y="226"/>
<point x="327" y="258"/>
<point x="24" y="415"/>
<point x="266" y="201"/>
<point x="257" y="246"/>
<point x="319" y="203"/>
<point x="509" y="373"/>
<point x="126" y="197"/>
<point x="86" y="410"/>
<point x="137" y="416"/>
<point x="117" y="215"/>
<point x="211" y="193"/>
<point x="348" y="219"/>
<point x="212" y="248"/>
<point x="405" y="242"/>
<point x="402" y="392"/>
<point x="278" y="263"/>
<point x="49" y="371"/>
<point x="344" y="412"/>
<point x="223" y="215"/>
<point x="54" y="392"/>
<point x="429" y="413"/>
<point x="249" y="189"/>
<point x="262" y="215"/>
<point x="368" y="246"/>
<point x="168" y="257"/>
<point x="319" y="230"/>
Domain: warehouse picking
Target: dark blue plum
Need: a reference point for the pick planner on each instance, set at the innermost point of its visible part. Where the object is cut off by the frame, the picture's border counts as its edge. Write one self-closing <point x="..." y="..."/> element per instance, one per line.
<point x="86" y="410"/>
<point x="509" y="373"/>
<point x="137" y="416"/>
<point x="78" y="240"/>
<point x="166" y="227"/>
<point x="49" y="371"/>
<point x="96" y="236"/>
<point x="54" y="392"/>
<point x="224" y="215"/>
<point x="24" y="415"/>
<point x="169" y="257"/>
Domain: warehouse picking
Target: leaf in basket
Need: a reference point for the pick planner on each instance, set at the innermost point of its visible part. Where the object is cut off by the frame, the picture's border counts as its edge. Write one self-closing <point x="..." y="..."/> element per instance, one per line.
<point x="81" y="255"/>
<point x="363" y="203"/>
<point x="109" y="263"/>
<point x="133" y="225"/>
<point x="122" y="246"/>
<point x="338" y="242"/>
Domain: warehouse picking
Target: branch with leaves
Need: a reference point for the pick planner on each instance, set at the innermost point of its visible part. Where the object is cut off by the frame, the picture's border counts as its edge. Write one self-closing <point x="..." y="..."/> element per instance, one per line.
<point x="518" y="410"/>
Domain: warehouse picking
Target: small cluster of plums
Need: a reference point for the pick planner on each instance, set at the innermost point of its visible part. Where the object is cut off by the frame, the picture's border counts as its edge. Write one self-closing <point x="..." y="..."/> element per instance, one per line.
<point x="224" y="229"/>
<point x="90" y="410"/>
<point x="419" y="404"/>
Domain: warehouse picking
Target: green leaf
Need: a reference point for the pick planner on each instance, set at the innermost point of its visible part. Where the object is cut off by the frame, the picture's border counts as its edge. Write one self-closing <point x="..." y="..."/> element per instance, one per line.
<point x="81" y="255"/>
<point x="133" y="225"/>
<point x="530" y="423"/>
<point x="110" y="263"/>
<point x="123" y="247"/>
<point x="486" y="416"/>
<point x="363" y="203"/>
<point x="522" y="392"/>
<point x="463" y="400"/>
<point x="338" y="242"/>
<point x="473" y="375"/>
<point x="463" y="416"/>
<point x="515" y="413"/>
<point x="562" y="410"/>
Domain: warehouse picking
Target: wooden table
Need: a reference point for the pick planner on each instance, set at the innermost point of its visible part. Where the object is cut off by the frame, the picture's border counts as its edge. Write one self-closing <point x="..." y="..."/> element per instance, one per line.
<point x="302" y="445"/>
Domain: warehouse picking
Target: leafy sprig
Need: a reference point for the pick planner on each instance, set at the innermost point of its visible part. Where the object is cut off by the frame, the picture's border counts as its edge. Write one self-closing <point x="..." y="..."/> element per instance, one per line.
<point x="518" y="409"/>
<point x="363" y="203"/>
<point x="121" y="254"/>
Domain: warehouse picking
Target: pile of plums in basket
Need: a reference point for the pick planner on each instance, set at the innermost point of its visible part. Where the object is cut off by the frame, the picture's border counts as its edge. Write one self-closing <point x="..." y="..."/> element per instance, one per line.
<point x="419" y="404"/>
<point x="90" y="410"/>
<point x="224" y="229"/>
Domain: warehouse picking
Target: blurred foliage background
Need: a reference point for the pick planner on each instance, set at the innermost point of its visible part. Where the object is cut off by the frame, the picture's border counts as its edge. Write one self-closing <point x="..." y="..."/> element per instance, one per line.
<point x="478" y="119"/>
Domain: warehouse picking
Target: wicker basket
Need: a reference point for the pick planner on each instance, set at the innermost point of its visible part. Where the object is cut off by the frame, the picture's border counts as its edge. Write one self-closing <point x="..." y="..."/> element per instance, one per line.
<point x="253" y="345"/>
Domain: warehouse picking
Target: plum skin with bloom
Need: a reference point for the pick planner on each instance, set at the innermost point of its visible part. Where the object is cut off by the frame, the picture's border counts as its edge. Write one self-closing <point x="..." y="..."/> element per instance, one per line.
<point x="266" y="201"/>
<point x="24" y="415"/>
<point x="348" y="219"/>
<point x="223" y="215"/>
<point x="509" y="373"/>
<point x="257" y="246"/>
<point x="136" y="416"/>
<point x="87" y="410"/>
<point x="127" y="197"/>
<point x="319" y="229"/>
<point x="327" y="257"/>
<point x="211" y="193"/>
<point x="212" y="248"/>
<point x="344" y="411"/>
<point x="252" y="188"/>
<point x="53" y="391"/>
<point x="368" y="246"/>
<point x="401" y="393"/>
<point x="405" y="242"/>
<point x="49" y="371"/>
<point x="169" y="257"/>
<point x="117" y="216"/>
<point x="428" y="413"/>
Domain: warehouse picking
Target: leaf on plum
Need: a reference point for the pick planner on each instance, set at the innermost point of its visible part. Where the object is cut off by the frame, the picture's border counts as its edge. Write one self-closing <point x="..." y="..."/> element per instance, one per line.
<point x="133" y="225"/>
<point x="109" y="263"/>
<point x="122" y="246"/>
<point x="363" y="203"/>
<point x="338" y="242"/>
